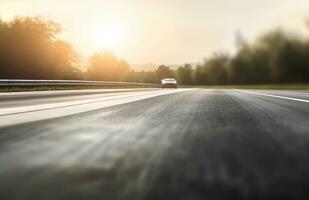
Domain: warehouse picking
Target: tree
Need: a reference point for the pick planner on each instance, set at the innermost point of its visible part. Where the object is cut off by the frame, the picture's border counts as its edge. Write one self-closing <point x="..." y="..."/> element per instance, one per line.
<point x="185" y="75"/>
<point x="66" y="57"/>
<point x="163" y="72"/>
<point x="199" y="76"/>
<point x="29" y="49"/>
<point x="215" y="69"/>
<point x="106" y="66"/>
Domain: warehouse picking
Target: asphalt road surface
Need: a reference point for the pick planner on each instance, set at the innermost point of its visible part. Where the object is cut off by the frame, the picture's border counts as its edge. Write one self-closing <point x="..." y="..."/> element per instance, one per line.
<point x="185" y="144"/>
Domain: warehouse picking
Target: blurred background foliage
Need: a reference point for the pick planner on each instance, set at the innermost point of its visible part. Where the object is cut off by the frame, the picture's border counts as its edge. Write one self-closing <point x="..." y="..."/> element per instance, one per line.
<point x="105" y="66"/>
<point x="30" y="49"/>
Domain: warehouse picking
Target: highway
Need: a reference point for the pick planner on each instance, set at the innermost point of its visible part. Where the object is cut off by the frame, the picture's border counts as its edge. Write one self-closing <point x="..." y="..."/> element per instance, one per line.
<point x="184" y="144"/>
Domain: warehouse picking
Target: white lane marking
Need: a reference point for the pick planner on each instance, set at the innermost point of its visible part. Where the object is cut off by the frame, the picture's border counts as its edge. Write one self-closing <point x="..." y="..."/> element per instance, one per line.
<point x="31" y="113"/>
<point x="275" y="96"/>
<point x="92" y="99"/>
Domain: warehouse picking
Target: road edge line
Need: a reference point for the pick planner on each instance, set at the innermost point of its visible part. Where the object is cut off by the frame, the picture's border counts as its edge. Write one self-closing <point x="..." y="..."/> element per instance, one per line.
<point x="275" y="96"/>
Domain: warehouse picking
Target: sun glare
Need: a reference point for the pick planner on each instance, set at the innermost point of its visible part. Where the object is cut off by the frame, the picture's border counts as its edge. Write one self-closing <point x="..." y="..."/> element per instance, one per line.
<point x="108" y="37"/>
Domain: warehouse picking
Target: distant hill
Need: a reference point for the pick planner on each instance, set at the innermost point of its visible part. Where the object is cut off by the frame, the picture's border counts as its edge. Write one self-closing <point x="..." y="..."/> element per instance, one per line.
<point x="144" y="67"/>
<point x="153" y="67"/>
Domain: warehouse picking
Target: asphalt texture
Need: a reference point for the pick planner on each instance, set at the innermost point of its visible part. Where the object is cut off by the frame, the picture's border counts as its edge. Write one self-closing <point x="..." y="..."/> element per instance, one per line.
<point x="186" y="145"/>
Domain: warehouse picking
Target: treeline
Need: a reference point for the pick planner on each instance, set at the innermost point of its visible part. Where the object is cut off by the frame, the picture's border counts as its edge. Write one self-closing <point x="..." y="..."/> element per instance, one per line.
<point x="30" y="49"/>
<point x="274" y="58"/>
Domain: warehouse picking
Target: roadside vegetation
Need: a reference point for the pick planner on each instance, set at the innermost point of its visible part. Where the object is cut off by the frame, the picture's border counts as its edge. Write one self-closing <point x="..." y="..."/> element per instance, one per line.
<point x="31" y="49"/>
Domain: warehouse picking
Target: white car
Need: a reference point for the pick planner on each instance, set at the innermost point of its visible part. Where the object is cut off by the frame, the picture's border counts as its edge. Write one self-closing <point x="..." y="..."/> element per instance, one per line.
<point x="169" y="83"/>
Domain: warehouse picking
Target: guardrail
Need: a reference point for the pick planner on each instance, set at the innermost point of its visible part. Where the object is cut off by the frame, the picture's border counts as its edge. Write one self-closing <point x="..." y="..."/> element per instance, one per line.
<point x="25" y="83"/>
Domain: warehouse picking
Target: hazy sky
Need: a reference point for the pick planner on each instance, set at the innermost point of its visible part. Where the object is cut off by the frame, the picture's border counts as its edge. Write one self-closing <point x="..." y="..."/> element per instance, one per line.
<point x="162" y="31"/>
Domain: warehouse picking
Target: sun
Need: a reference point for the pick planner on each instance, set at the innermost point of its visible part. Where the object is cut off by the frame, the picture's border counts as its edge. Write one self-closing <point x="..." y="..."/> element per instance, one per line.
<point x="108" y="37"/>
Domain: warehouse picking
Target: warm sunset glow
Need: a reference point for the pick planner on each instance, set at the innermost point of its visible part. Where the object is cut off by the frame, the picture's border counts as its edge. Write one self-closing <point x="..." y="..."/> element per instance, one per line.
<point x="161" y="31"/>
<point x="107" y="36"/>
